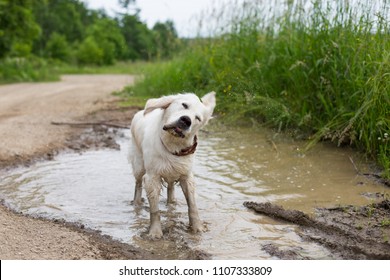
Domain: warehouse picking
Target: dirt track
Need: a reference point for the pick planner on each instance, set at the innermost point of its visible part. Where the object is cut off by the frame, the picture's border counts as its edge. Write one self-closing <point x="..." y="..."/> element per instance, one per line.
<point x="26" y="113"/>
<point x="27" y="110"/>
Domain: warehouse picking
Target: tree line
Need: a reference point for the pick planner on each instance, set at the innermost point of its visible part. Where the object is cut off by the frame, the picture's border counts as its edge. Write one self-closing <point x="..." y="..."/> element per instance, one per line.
<point x="68" y="31"/>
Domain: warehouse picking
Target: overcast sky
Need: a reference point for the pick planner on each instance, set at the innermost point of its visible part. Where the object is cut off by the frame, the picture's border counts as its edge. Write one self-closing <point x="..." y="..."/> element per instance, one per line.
<point x="184" y="13"/>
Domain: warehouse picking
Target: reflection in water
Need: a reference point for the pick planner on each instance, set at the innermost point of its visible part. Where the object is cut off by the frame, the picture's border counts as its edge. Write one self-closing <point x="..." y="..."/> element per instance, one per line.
<point x="95" y="188"/>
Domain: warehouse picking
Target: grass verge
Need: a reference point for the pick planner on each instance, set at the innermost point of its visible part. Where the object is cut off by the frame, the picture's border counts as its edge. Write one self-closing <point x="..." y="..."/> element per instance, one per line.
<point x="322" y="67"/>
<point x="32" y="69"/>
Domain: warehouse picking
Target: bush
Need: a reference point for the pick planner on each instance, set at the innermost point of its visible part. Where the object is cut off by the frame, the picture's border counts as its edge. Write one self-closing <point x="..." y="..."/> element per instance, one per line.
<point x="89" y="52"/>
<point x="30" y="69"/>
<point x="57" y="47"/>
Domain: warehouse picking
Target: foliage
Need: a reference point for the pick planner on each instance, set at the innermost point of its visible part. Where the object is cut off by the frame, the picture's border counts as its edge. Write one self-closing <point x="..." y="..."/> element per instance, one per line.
<point x="120" y="67"/>
<point x="89" y="52"/>
<point x="66" y="17"/>
<point x="57" y="47"/>
<point x="17" y="28"/>
<point x="138" y="37"/>
<point x="166" y="39"/>
<point x="66" y="30"/>
<point x="26" y="69"/>
<point x="111" y="41"/>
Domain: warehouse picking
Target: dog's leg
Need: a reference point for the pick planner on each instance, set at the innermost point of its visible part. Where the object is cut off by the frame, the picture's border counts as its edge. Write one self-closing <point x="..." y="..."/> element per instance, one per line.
<point x="138" y="171"/>
<point x="138" y="192"/>
<point x="188" y="186"/>
<point x="171" y="193"/>
<point x="153" y="188"/>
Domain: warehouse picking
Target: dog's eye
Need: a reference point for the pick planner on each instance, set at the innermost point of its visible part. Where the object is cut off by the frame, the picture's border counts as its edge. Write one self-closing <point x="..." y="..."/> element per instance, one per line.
<point x="198" y="118"/>
<point x="184" y="105"/>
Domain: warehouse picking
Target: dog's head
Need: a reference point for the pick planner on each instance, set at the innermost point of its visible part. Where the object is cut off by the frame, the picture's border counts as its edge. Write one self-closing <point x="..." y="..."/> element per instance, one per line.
<point x="184" y="113"/>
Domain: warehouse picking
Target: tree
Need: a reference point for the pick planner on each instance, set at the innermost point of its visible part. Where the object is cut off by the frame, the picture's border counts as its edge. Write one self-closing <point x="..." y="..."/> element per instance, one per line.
<point x="166" y="39"/>
<point x="89" y="52"/>
<point x="107" y="32"/>
<point x="67" y="29"/>
<point x="126" y="3"/>
<point x="139" y="39"/>
<point x="66" y="17"/>
<point x="57" y="47"/>
<point x="18" y="28"/>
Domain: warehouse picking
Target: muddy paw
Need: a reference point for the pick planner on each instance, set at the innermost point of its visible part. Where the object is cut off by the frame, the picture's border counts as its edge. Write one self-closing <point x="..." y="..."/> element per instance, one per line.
<point x="172" y="201"/>
<point x="138" y="202"/>
<point x="198" y="228"/>
<point x="155" y="233"/>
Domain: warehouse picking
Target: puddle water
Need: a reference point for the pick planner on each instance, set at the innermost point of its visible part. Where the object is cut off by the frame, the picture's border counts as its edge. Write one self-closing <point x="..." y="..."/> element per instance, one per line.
<point x="96" y="188"/>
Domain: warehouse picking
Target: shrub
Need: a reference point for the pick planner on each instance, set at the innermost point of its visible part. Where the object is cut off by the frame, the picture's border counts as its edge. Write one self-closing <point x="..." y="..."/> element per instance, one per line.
<point x="19" y="69"/>
<point x="89" y="52"/>
<point x="57" y="47"/>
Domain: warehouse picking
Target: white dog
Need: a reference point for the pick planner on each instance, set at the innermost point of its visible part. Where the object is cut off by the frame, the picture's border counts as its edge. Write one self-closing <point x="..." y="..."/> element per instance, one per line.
<point x="164" y="139"/>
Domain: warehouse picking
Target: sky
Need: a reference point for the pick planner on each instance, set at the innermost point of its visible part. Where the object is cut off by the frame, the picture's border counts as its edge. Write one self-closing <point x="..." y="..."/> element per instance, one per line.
<point x="184" y="13"/>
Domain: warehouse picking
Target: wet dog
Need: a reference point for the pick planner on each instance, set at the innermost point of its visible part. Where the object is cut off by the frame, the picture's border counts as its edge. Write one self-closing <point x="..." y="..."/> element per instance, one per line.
<point x="164" y="140"/>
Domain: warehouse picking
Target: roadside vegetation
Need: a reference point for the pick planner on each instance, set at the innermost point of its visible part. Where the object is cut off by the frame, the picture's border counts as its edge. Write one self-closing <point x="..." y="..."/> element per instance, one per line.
<point x="320" y="69"/>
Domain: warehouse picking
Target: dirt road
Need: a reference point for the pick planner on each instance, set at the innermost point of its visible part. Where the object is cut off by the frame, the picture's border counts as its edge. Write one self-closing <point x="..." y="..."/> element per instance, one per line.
<point x="26" y="113"/>
<point x="27" y="110"/>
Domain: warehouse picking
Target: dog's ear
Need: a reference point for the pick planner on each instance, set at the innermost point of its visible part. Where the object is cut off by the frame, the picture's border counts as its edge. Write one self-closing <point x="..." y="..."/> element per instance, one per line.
<point x="158" y="103"/>
<point x="209" y="101"/>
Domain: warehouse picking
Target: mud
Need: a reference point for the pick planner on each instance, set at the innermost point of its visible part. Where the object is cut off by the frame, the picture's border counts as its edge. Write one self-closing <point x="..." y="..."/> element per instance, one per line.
<point x="92" y="245"/>
<point x="99" y="246"/>
<point x="97" y="131"/>
<point x="349" y="232"/>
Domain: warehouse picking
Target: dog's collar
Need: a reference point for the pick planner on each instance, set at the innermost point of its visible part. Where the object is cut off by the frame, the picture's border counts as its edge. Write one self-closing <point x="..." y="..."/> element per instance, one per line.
<point x="186" y="151"/>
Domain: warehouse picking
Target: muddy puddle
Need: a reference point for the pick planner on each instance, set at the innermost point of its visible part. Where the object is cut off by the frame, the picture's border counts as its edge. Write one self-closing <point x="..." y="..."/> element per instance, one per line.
<point x="96" y="187"/>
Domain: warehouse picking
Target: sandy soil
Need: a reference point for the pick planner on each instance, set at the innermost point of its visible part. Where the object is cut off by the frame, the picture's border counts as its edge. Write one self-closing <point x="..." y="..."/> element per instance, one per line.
<point x="26" y="113"/>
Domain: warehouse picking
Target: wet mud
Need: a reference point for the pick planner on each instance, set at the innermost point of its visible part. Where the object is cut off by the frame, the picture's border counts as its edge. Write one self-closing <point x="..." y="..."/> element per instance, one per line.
<point x="349" y="232"/>
<point x="110" y="249"/>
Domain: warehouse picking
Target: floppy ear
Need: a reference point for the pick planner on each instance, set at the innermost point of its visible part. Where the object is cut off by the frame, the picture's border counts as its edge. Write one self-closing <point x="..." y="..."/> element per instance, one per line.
<point x="158" y="103"/>
<point x="209" y="101"/>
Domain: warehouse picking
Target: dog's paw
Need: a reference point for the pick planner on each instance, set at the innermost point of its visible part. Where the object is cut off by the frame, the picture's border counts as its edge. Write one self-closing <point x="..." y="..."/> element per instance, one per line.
<point x="198" y="228"/>
<point x="172" y="201"/>
<point x="155" y="233"/>
<point x="137" y="202"/>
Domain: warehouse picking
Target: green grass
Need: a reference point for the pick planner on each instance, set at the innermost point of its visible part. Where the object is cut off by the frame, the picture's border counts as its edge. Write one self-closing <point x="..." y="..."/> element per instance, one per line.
<point x="323" y="70"/>
<point x="35" y="69"/>
<point x="120" y="67"/>
<point x="32" y="69"/>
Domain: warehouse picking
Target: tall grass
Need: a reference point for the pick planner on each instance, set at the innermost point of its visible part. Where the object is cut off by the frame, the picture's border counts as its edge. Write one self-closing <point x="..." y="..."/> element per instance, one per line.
<point x="320" y="66"/>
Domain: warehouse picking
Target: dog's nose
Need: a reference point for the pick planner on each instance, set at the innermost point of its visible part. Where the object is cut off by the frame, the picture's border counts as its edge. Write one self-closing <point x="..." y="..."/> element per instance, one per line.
<point x="185" y="122"/>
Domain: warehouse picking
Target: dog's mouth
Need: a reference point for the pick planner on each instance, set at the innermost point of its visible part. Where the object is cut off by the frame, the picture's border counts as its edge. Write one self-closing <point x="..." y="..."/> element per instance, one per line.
<point x="174" y="130"/>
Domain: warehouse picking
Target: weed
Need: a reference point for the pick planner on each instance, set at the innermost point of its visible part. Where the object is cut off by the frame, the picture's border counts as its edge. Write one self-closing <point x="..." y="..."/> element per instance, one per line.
<point x="385" y="222"/>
